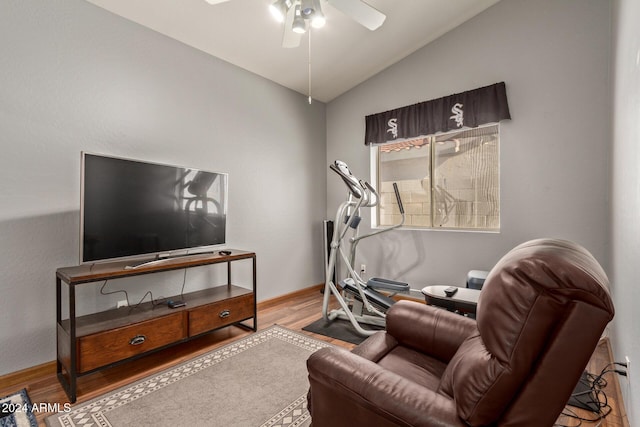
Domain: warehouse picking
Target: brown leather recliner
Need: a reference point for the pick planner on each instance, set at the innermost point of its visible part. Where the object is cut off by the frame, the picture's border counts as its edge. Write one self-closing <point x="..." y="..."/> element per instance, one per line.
<point x="540" y="316"/>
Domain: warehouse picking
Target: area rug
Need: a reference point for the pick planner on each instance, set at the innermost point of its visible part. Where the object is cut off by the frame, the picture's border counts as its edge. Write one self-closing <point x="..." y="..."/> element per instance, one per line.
<point x="16" y="410"/>
<point x="260" y="380"/>
<point x="339" y="329"/>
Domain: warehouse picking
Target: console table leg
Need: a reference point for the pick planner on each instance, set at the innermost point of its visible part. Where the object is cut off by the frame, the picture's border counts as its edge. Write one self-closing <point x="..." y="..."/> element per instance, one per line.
<point x="255" y="296"/>
<point x="73" y="374"/>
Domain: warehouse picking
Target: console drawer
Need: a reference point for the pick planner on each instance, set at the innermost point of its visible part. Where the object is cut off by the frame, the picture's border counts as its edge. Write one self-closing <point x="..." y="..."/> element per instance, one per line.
<point x="218" y="314"/>
<point x="111" y="346"/>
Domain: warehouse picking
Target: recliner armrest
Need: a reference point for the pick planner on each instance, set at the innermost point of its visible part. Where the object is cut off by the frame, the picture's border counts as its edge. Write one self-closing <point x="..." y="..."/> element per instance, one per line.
<point x="348" y="390"/>
<point x="428" y="329"/>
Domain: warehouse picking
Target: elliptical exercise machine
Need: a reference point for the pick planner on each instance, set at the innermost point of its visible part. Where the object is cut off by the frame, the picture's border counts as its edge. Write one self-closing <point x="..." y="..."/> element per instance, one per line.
<point x="360" y="301"/>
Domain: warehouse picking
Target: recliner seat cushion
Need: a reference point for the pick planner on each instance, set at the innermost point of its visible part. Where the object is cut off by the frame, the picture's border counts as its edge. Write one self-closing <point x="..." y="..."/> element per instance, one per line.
<point x="418" y="367"/>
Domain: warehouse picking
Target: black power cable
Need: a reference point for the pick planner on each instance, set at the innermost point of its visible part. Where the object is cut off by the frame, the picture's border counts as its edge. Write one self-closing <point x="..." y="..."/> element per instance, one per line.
<point x="594" y="396"/>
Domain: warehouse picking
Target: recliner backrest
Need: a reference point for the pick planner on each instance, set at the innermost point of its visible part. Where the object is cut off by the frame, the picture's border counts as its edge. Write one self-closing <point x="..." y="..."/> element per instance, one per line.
<point x="534" y="302"/>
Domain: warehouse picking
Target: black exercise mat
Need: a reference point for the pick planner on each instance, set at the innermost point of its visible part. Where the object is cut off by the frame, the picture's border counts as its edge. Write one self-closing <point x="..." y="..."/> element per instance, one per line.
<point x="339" y="329"/>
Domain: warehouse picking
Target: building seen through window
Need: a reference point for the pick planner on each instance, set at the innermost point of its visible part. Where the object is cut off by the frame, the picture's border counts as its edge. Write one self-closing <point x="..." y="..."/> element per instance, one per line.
<point x="447" y="181"/>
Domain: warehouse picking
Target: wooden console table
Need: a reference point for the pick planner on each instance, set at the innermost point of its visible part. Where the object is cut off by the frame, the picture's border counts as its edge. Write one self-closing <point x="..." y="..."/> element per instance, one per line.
<point x="92" y="342"/>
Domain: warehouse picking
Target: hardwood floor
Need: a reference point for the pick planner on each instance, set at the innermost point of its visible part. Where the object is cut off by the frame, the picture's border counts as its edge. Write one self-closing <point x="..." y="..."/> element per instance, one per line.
<point x="293" y="311"/>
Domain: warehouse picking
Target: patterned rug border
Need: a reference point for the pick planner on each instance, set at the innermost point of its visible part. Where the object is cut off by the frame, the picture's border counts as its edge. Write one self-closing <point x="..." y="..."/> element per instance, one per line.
<point x="20" y="405"/>
<point x="96" y="407"/>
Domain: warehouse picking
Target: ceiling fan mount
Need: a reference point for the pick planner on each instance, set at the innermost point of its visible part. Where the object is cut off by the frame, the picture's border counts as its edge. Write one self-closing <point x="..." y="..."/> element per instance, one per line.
<point x="297" y="15"/>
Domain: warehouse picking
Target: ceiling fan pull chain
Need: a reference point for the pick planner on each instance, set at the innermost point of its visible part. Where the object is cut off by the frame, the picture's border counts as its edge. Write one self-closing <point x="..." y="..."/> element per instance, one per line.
<point x="309" y="65"/>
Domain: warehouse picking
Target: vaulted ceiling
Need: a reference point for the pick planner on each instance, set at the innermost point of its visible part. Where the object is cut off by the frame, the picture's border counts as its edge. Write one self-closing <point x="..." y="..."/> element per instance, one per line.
<point x="343" y="53"/>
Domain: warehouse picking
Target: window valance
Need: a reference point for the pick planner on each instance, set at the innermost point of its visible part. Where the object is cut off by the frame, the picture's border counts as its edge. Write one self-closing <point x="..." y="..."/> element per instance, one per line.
<point x="467" y="109"/>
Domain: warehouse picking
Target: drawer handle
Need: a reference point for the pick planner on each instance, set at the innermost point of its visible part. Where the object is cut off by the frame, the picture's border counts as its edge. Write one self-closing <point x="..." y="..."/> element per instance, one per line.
<point x="224" y="313"/>
<point x="137" y="340"/>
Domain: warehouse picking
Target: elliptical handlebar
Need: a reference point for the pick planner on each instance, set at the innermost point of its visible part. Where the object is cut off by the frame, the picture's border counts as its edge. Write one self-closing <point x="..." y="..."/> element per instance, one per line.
<point x="373" y="196"/>
<point x="367" y="195"/>
<point x="341" y="168"/>
<point x="398" y="199"/>
<point x="359" y="189"/>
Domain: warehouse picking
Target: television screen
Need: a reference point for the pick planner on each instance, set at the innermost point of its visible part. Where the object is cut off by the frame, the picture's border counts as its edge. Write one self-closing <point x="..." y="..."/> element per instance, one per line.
<point x="131" y="208"/>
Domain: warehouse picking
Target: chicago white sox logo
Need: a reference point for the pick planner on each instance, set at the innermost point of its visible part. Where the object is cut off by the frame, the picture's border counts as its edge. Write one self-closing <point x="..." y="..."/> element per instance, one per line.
<point x="458" y="114"/>
<point x="393" y="127"/>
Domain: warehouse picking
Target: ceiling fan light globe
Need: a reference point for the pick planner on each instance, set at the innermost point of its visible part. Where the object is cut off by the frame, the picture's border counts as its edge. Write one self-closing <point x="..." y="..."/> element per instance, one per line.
<point x="299" y="27"/>
<point x="277" y="15"/>
<point x="278" y="10"/>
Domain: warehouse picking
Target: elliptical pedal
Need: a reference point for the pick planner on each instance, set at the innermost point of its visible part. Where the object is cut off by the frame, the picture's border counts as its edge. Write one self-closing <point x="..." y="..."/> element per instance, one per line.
<point x="374" y="297"/>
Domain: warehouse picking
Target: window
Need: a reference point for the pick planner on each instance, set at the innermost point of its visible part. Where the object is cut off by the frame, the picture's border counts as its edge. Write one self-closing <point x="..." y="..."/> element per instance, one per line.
<point x="446" y="181"/>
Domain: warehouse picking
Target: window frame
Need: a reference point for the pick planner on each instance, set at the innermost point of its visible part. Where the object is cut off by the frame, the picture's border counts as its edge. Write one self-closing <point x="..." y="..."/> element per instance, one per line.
<point x="374" y="167"/>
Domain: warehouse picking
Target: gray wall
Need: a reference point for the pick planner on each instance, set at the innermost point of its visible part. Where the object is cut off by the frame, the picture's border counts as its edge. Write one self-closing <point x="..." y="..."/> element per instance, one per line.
<point x="75" y="77"/>
<point x="625" y="205"/>
<point x="553" y="56"/>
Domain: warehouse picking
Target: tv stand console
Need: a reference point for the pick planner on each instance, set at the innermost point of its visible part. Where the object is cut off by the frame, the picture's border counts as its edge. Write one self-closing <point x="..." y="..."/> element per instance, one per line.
<point x="96" y="341"/>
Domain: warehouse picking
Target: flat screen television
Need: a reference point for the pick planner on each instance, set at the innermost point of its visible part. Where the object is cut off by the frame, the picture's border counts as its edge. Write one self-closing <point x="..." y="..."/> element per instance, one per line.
<point x="132" y="208"/>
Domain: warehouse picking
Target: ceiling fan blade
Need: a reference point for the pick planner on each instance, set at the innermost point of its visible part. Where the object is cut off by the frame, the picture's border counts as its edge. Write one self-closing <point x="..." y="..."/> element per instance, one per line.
<point x="290" y="39"/>
<point x="360" y="12"/>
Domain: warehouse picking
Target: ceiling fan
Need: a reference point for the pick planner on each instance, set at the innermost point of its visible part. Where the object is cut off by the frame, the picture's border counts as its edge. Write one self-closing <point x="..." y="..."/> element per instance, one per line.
<point x="298" y="14"/>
